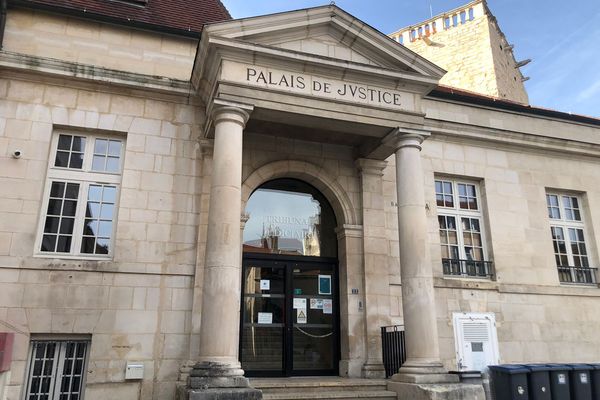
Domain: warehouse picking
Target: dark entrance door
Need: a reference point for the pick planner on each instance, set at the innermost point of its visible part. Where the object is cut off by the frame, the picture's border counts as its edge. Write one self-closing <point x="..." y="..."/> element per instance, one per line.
<point x="290" y="319"/>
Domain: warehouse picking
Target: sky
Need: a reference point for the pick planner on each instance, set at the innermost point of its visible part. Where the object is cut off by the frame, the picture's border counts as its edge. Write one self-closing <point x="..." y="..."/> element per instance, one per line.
<point x="561" y="38"/>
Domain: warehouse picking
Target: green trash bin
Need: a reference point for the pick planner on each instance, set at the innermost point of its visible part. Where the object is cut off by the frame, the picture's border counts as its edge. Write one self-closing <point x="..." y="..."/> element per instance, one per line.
<point x="509" y="382"/>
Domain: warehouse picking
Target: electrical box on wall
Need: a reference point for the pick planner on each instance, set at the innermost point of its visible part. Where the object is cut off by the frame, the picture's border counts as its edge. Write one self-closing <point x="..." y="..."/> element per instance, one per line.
<point x="6" y="347"/>
<point x="134" y="370"/>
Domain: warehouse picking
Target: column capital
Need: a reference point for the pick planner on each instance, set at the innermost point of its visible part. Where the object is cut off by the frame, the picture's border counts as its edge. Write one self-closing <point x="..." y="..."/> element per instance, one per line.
<point x="406" y="137"/>
<point x="370" y="166"/>
<point x="349" y="231"/>
<point x="224" y="110"/>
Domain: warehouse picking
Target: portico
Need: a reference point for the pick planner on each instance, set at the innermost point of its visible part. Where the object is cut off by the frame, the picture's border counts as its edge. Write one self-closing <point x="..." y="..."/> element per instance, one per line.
<point x="277" y="77"/>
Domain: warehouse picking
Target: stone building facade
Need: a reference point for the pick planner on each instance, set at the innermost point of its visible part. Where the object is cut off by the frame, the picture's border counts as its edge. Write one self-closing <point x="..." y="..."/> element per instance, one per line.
<point x="469" y="44"/>
<point x="131" y="153"/>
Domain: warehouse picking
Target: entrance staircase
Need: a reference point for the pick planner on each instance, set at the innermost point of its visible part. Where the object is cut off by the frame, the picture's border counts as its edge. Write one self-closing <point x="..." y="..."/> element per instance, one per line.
<point x="322" y="388"/>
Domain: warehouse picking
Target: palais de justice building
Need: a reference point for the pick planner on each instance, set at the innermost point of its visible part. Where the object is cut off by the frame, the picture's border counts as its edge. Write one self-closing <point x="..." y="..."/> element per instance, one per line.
<point x="188" y="201"/>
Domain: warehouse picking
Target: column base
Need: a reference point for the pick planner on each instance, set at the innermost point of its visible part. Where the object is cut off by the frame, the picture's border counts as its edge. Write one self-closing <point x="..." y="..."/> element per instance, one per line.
<point x="427" y="372"/>
<point x="218" y="381"/>
<point x="439" y="391"/>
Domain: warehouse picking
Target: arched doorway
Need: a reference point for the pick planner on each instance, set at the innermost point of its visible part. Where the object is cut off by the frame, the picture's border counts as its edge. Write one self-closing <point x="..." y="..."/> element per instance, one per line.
<point x="290" y="303"/>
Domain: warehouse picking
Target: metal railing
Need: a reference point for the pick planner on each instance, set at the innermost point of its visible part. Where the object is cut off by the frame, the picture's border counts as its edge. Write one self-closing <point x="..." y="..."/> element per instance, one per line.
<point x="468" y="268"/>
<point x="393" y="348"/>
<point x="568" y="274"/>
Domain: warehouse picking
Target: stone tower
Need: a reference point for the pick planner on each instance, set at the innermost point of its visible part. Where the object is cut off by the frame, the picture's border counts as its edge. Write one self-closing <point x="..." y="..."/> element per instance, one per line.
<point x="468" y="43"/>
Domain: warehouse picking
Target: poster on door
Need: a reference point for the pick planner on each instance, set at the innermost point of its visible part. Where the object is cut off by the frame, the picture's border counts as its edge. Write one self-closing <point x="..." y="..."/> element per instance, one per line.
<point x="301" y="316"/>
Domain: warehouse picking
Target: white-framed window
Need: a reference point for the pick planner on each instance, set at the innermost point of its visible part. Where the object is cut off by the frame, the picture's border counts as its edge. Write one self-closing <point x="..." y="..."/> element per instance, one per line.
<point x="56" y="369"/>
<point x="461" y="230"/>
<point x="567" y="229"/>
<point x="80" y="197"/>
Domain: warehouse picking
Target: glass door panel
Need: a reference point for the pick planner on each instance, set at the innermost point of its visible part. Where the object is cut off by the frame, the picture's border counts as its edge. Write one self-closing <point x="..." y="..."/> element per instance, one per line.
<point x="314" y="326"/>
<point x="263" y="318"/>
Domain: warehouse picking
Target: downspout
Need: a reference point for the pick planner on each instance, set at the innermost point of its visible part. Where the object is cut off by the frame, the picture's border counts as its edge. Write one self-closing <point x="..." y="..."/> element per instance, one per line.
<point x="2" y="20"/>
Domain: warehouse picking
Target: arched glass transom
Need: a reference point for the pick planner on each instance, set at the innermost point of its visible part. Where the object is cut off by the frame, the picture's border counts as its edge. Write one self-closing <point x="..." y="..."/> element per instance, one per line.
<point x="288" y="216"/>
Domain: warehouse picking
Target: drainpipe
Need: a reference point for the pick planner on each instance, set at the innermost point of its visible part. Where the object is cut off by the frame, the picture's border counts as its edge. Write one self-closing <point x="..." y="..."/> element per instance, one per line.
<point x="2" y="20"/>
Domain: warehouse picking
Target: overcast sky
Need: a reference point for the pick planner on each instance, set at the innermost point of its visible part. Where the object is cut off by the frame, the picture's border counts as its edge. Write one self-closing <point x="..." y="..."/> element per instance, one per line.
<point x="562" y="38"/>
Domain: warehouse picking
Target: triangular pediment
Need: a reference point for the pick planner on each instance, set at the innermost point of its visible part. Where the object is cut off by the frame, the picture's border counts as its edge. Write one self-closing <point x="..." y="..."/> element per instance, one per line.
<point x="326" y="32"/>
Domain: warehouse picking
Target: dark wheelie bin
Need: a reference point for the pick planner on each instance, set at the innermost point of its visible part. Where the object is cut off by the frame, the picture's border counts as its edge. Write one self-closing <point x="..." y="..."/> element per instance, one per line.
<point x="509" y="382"/>
<point x="559" y="381"/>
<point x="581" y="382"/>
<point x="595" y="375"/>
<point x="539" y="382"/>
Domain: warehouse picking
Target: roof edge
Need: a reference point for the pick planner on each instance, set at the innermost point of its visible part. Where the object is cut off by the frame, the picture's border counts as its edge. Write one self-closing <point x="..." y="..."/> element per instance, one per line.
<point x="450" y="93"/>
<point x="105" y="18"/>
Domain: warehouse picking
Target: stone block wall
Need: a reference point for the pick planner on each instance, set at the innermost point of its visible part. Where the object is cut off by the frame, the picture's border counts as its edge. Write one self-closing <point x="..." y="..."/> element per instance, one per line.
<point x="87" y="42"/>
<point x="538" y="318"/>
<point x="136" y="306"/>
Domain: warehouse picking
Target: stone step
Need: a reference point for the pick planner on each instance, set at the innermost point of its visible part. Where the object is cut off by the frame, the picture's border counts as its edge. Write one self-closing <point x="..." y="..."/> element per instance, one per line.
<point x="322" y="388"/>
<point x="331" y="395"/>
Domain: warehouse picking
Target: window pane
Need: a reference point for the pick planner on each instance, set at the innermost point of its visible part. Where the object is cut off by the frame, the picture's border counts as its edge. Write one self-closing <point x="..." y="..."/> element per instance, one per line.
<point x="109" y="194"/>
<point x="438" y="187"/>
<point x="91" y="227"/>
<point x="439" y="199"/>
<point x="114" y="148"/>
<point x="66" y="225"/>
<point x="48" y="243"/>
<point x="448" y="201"/>
<point x="93" y="210"/>
<point x="462" y="190"/>
<point x="101" y="146"/>
<point x="62" y="159"/>
<point x="69" y="207"/>
<point x="76" y="160"/>
<point x="102" y="246"/>
<point x="95" y="193"/>
<point x="57" y="189"/>
<point x="106" y="211"/>
<point x="72" y="191"/>
<point x="98" y="163"/>
<point x="64" y="244"/>
<point x="88" y="245"/>
<point x="54" y="207"/>
<point x="104" y="229"/>
<point x="78" y="144"/>
<point x="64" y="142"/>
<point x="448" y="187"/>
<point x="51" y="225"/>
<point x="112" y="164"/>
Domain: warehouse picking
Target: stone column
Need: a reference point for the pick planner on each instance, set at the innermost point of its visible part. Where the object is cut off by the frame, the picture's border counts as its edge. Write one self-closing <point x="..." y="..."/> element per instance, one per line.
<point x="218" y="373"/>
<point x="375" y="263"/>
<point x="423" y="363"/>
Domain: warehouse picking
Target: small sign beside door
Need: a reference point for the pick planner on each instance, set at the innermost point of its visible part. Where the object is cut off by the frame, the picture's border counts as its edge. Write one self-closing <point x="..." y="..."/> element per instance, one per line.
<point x="265" y="284"/>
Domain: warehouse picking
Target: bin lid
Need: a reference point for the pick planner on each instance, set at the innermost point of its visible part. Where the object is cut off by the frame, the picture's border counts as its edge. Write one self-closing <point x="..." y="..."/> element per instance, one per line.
<point x="580" y="367"/>
<point x="559" y="367"/>
<point x="537" y="367"/>
<point x="509" y="368"/>
<point x="594" y="365"/>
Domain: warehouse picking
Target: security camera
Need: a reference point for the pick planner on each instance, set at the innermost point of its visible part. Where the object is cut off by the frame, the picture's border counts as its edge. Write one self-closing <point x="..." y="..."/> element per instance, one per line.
<point x="16" y="154"/>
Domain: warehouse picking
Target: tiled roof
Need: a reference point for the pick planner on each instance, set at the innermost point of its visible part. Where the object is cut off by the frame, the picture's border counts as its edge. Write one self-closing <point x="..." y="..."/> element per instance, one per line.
<point x="178" y="16"/>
